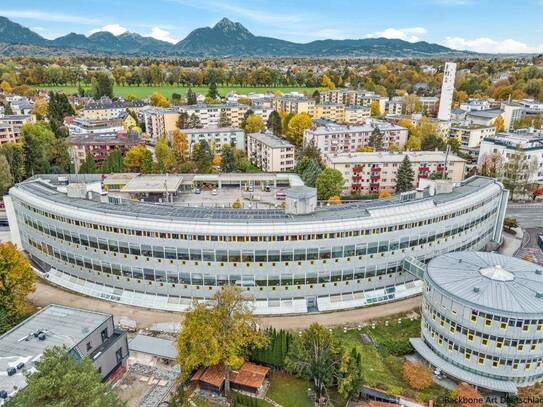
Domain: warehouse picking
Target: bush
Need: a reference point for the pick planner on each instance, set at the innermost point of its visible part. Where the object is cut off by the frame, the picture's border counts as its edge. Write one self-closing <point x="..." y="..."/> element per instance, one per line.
<point x="274" y="354"/>
<point x="243" y="400"/>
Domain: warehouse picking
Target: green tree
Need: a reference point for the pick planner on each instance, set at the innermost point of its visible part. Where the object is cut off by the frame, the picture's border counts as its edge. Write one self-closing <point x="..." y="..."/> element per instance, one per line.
<point x="254" y="124"/>
<point x="405" y="177"/>
<point x="222" y="334"/>
<point x="7" y="109"/>
<point x="376" y="139"/>
<point x="14" y="154"/>
<point x="296" y="127"/>
<point x="316" y="96"/>
<point x="88" y="166"/>
<point x="113" y="163"/>
<point x="194" y="122"/>
<point x="37" y="140"/>
<point x="286" y="120"/>
<point x="212" y="91"/>
<point x="375" y="110"/>
<point x="6" y="179"/>
<point x="329" y="183"/>
<point x="61" y="381"/>
<point x="228" y="161"/>
<point x="191" y="97"/>
<point x="454" y="144"/>
<point x="183" y="121"/>
<point x="274" y="123"/>
<point x="248" y="112"/>
<point x="101" y="85"/>
<point x="16" y="281"/>
<point x="316" y="356"/>
<point x="58" y="108"/>
<point x="203" y="157"/>
<point x="310" y="150"/>
<point x="352" y="379"/>
<point x="224" y="120"/>
<point x="433" y="142"/>
<point x="309" y="170"/>
<point x="165" y="157"/>
<point x="414" y="143"/>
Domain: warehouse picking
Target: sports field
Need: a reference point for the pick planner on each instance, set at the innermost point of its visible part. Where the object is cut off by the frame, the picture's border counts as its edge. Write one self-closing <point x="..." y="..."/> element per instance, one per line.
<point x="167" y="90"/>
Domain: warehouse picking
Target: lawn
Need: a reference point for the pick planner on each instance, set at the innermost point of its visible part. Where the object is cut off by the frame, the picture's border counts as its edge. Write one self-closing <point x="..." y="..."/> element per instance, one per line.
<point x="382" y="361"/>
<point x="167" y="90"/>
<point x="289" y="391"/>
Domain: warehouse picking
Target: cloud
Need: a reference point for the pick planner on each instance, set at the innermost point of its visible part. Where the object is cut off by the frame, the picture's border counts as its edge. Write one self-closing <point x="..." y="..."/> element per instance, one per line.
<point x="407" y="34"/>
<point x="163" y="35"/>
<point x="114" y="29"/>
<point x="47" y="16"/>
<point x="489" y="45"/>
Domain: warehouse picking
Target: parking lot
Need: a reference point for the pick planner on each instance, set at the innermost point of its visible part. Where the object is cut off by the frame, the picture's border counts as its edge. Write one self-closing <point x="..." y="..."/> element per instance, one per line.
<point x="226" y="196"/>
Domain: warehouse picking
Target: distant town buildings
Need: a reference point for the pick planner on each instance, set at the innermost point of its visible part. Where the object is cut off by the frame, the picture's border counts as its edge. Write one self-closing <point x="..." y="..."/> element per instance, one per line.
<point x="470" y="135"/>
<point x="106" y="109"/>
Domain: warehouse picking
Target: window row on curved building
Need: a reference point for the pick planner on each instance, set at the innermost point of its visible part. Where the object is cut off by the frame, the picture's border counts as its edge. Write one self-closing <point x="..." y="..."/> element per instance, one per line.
<point x="163" y="256"/>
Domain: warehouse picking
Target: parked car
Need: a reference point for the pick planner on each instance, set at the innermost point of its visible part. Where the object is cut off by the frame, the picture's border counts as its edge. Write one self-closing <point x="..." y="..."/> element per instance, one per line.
<point x="214" y="192"/>
<point x="197" y="190"/>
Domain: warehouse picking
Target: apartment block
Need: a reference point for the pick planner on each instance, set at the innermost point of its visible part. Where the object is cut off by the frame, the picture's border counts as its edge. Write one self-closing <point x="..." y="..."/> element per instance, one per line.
<point x="107" y="109"/>
<point x="159" y="121"/>
<point x="354" y="98"/>
<point x="99" y="145"/>
<point x="270" y="153"/>
<point x="290" y="104"/>
<point x="209" y="115"/>
<point x="334" y="138"/>
<point x="7" y="135"/>
<point x="371" y="173"/>
<point x="215" y="137"/>
<point x="470" y="136"/>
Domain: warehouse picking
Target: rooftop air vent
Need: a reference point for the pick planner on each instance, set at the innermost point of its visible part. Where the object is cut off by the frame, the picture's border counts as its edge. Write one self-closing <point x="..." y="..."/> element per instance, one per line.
<point x="476" y="289"/>
<point x="539" y="295"/>
<point x="538" y="272"/>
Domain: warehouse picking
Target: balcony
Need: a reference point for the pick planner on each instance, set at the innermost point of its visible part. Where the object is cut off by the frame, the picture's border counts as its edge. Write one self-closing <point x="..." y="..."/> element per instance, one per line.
<point x="356" y="186"/>
<point x="357" y="177"/>
<point x="424" y="168"/>
<point x="374" y="185"/>
<point x="376" y="169"/>
<point x="375" y="178"/>
<point x="356" y="170"/>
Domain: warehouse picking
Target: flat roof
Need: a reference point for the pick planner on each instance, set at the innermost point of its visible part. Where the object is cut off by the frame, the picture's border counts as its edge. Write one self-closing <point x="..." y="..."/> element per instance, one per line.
<point x="212" y="130"/>
<point x="490" y="281"/>
<point x="164" y="348"/>
<point x="153" y="183"/>
<point x="368" y="126"/>
<point x="121" y="177"/>
<point x="270" y="140"/>
<point x="62" y="325"/>
<point x="414" y="156"/>
<point x="44" y="186"/>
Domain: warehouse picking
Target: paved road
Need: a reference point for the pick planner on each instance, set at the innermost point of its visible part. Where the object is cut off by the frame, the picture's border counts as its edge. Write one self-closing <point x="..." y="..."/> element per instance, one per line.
<point x="528" y="216"/>
<point x="145" y="318"/>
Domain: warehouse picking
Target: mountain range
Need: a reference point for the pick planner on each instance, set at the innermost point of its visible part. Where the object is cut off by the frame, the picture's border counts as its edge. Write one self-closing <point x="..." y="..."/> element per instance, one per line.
<point x="225" y="39"/>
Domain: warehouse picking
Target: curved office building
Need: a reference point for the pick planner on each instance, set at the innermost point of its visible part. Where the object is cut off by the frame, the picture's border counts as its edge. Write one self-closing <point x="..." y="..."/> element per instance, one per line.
<point x="482" y="319"/>
<point x="299" y="259"/>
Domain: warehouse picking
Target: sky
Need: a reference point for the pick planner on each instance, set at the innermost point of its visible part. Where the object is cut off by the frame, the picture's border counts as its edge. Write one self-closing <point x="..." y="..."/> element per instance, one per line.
<point x="495" y="26"/>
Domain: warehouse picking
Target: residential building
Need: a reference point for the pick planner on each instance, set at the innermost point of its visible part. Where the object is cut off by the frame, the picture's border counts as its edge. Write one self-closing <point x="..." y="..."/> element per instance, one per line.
<point x="85" y="334"/>
<point x="209" y="115"/>
<point x="7" y="135"/>
<point x="394" y="106"/>
<point x="16" y="122"/>
<point x="331" y="258"/>
<point x="528" y="142"/>
<point x="106" y="109"/>
<point x="293" y="104"/>
<point x="356" y="114"/>
<point x="350" y="97"/>
<point x="428" y="103"/>
<point x="531" y="107"/>
<point x="270" y="153"/>
<point x="475" y="104"/>
<point x="159" y="122"/>
<point x="511" y="113"/>
<point x="470" y="135"/>
<point x="335" y="138"/>
<point x="447" y="90"/>
<point x="216" y="137"/>
<point x="99" y="145"/>
<point x="22" y="106"/>
<point x="371" y="173"/>
<point x="482" y="318"/>
<point x="80" y="125"/>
